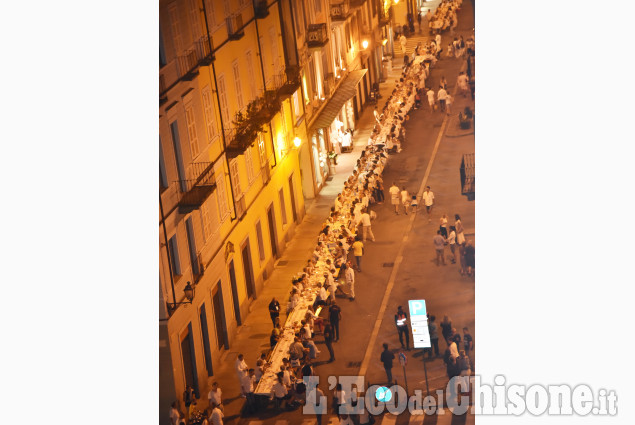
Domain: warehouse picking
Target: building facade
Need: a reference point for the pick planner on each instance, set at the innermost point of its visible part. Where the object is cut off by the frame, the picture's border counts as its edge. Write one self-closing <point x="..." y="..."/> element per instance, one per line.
<point x="252" y="98"/>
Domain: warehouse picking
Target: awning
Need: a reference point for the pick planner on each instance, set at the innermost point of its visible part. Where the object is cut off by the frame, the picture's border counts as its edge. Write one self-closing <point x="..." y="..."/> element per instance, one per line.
<point x="344" y="92"/>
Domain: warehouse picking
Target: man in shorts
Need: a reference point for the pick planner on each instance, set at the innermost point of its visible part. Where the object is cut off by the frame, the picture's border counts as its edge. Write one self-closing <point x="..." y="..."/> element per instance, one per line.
<point x="394" y="196"/>
<point x="428" y="201"/>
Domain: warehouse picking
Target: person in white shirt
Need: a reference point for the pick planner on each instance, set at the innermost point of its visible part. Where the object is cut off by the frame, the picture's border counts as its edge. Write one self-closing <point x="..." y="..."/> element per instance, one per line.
<point x="280" y="392"/>
<point x="366" y="229"/>
<point x="394" y="197"/>
<point x="174" y="414"/>
<point x="241" y="367"/>
<point x="405" y="199"/>
<point x="216" y="418"/>
<point x="215" y="396"/>
<point x="247" y="387"/>
<point x="428" y="201"/>
<point x="349" y="275"/>
<point x="431" y="101"/>
<point x="403" y="41"/>
<point x="448" y="103"/>
<point x="442" y="95"/>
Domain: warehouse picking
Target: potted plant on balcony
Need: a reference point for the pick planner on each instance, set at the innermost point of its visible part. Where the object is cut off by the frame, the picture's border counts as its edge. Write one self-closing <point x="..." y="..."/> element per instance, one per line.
<point x="333" y="157"/>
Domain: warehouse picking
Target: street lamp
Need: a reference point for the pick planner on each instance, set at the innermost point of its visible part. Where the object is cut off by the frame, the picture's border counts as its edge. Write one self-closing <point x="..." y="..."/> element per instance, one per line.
<point x="189" y="292"/>
<point x="297" y="141"/>
<point x="365" y="44"/>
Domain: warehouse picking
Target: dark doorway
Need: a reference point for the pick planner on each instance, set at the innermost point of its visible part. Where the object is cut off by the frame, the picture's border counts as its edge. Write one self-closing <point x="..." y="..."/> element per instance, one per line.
<point x="189" y="360"/>
<point x="292" y="194"/>
<point x="206" y="347"/>
<point x="249" y="273"/>
<point x="220" y="321"/>
<point x="272" y="232"/>
<point x="232" y="279"/>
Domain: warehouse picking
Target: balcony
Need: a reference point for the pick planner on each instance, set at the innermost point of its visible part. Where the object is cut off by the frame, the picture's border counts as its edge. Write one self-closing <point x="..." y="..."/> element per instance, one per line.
<point x="247" y="125"/>
<point x="196" y="190"/>
<point x="261" y="10"/>
<point x="188" y="65"/>
<point x="286" y="83"/>
<point x="317" y="35"/>
<point x="339" y="11"/>
<point x="204" y="51"/>
<point x="384" y="18"/>
<point x="235" y="30"/>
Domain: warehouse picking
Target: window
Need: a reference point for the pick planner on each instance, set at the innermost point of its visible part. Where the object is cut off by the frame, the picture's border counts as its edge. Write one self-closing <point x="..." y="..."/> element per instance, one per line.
<point x="261" y="243"/>
<point x="191" y="131"/>
<point x="209" y="217"/>
<point x="189" y="228"/>
<point x="250" y="74"/>
<point x="162" y="59"/>
<point x="174" y="256"/>
<point x="249" y="163"/>
<point x="211" y="15"/>
<point x="296" y="105"/>
<point x="239" y="90"/>
<point x="273" y="39"/>
<point x="283" y="207"/>
<point x="262" y="151"/>
<point x="163" y="177"/>
<point x="175" y="28"/>
<point x="176" y="142"/>
<point x="195" y="19"/>
<point x="210" y="116"/>
<point x="222" y="94"/>
<point x="318" y="6"/>
<point x="223" y="208"/>
<point x="299" y="17"/>
<point x="235" y="178"/>
<point x="226" y="7"/>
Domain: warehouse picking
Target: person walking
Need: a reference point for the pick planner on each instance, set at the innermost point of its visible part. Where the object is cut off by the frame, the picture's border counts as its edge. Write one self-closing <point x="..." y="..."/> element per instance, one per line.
<point x="358" y="251"/>
<point x="419" y="21"/>
<point x="394" y="196"/>
<point x="437" y="40"/>
<point x="448" y="103"/>
<point x="403" y="41"/>
<point x="328" y="341"/>
<point x="452" y="243"/>
<point x="401" y="322"/>
<point x="274" y="310"/>
<point x="428" y="201"/>
<point x="442" y="95"/>
<point x="460" y="236"/>
<point x="469" y="258"/>
<point x="335" y="315"/>
<point x="175" y="414"/>
<point x="431" y="101"/>
<point x="446" y="328"/>
<point x="405" y="199"/>
<point x="216" y="417"/>
<point x="443" y="225"/>
<point x="468" y="341"/>
<point x="463" y="81"/>
<point x="386" y="358"/>
<point x="215" y="396"/>
<point x="366" y="229"/>
<point x="439" y="245"/>
<point x="434" y="337"/>
<point x="241" y="368"/>
<point x="349" y="276"/>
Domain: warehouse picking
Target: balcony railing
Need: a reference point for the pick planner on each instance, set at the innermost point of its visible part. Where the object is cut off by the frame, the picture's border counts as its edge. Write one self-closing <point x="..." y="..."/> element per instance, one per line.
<point x="197" y="189"/>
<point x="287" y="82"/>
<point x="317" y="35"/>
<point x="261" y="10"/>
<point x="188" y="65"/>
<point x="235" y="30"/>
<point x="340" y="11"/>
<point x="204" y="50"/>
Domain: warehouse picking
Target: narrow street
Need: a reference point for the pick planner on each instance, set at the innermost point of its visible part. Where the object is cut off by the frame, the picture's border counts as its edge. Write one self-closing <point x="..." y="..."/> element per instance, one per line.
<point x="399" y="266"/>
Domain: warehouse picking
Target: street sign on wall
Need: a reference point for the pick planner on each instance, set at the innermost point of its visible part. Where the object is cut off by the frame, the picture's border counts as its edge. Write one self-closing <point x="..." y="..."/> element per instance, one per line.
<point x="419" y="323"/>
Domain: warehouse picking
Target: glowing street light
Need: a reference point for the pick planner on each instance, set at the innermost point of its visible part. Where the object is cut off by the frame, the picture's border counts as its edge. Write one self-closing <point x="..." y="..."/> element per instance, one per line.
<point x="297" y="141"/>
<point x="365" y="44"/>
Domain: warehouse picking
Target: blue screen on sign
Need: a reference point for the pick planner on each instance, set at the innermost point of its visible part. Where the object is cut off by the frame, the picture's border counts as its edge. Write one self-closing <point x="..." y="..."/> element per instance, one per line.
<point x="383" y="394"/>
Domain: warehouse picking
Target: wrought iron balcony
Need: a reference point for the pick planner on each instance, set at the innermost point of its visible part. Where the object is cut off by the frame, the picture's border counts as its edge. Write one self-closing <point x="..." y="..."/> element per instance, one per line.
<point x="188" y="65"/>
<point x="317" y="35"/>
<point x="196" y="190"/>
<point x="261" y="10"/>
<point x="339" y="11"/>
<point x="204" y="50"/>
<point x="287" y="82"/>
<point x="468" y="176"/>
<point x="235" y="30"/>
